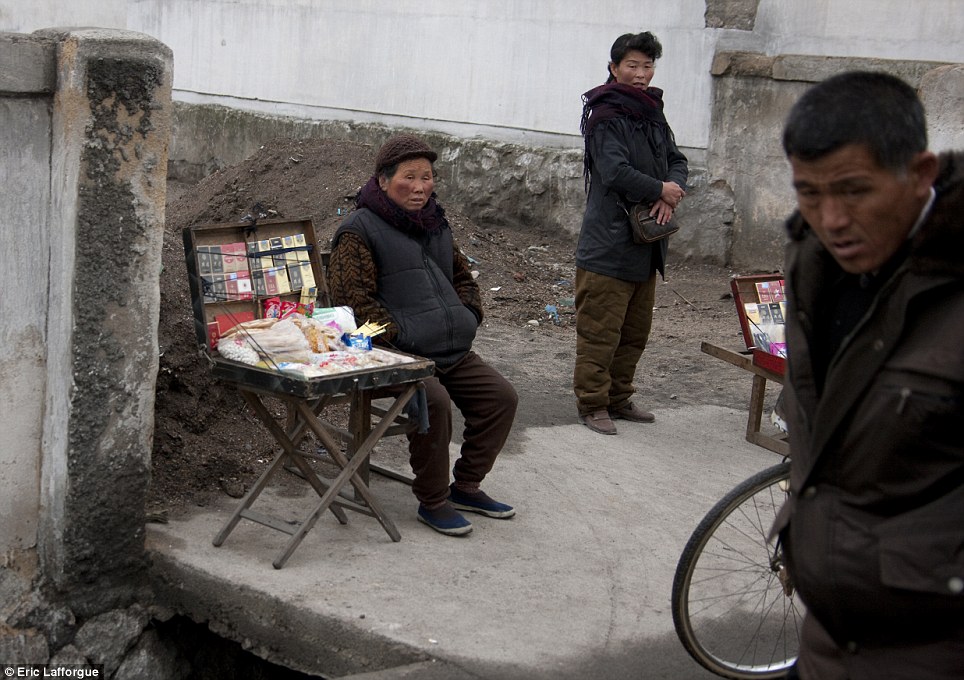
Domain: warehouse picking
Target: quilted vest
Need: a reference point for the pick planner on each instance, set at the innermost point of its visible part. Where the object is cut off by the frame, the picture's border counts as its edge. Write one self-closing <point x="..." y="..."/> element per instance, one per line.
<point x="415" y="285"/>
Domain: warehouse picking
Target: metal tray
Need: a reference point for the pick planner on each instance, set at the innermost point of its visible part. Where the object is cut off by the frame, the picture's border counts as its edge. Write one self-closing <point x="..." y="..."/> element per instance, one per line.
<point x="266" y="380"/>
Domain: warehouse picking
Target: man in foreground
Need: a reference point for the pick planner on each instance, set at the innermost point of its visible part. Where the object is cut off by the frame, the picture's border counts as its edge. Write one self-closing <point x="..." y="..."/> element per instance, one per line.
<point x="874" y="528"/>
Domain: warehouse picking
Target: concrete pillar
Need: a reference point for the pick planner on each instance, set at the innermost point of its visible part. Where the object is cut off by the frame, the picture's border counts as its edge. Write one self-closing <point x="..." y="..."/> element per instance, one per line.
<point x="109" y="151"/>
<point x="26" y="84"/>
<point x="942" y="91"/>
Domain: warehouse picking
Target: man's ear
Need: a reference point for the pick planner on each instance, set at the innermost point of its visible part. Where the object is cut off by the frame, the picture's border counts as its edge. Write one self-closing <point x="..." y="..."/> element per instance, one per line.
<point x="924" y="169"/>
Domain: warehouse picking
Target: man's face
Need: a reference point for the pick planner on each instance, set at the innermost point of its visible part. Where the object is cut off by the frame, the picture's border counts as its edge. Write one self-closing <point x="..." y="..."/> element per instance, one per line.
<point x="861" y="212"/>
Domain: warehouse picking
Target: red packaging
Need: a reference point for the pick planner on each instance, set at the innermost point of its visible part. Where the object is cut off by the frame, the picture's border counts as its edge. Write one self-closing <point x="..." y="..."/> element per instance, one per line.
<point x="288" y="308"/>
<point x="213" y="334"/>
<point x="272" y="308"/>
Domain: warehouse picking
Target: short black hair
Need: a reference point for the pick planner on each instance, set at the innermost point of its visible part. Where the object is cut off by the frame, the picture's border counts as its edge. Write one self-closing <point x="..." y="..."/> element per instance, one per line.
<point x="874" y="109"/>
<point x="644" y="42"/>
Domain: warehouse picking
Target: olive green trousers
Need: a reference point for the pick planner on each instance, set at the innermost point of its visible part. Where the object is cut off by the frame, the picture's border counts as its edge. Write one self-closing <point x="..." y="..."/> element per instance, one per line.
<point x="613" y="321"/>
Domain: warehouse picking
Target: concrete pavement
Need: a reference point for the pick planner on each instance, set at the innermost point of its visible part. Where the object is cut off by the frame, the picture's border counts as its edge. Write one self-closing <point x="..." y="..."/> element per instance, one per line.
<point x="577" y="585"/>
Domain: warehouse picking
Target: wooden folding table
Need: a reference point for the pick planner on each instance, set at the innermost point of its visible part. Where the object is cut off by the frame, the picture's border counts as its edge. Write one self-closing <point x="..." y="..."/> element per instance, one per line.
<point x="306" y="403"/>
<point x="761" y="373"/>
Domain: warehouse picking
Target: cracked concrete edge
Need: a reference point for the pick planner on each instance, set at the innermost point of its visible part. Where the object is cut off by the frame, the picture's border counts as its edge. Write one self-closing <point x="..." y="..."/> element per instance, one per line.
<point x="423" y="670"/>
<point x="281" y="632"/>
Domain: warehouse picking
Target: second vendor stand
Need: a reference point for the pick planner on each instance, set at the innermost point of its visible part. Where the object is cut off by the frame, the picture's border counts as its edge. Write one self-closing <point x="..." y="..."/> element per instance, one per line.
<point x="233" y="270"/>
<point x="758" y="358"/>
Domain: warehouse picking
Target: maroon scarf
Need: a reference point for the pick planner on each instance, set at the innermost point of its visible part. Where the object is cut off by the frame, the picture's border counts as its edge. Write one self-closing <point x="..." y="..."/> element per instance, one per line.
<point x="431" y="218"/>
<point x="615" y="100"/>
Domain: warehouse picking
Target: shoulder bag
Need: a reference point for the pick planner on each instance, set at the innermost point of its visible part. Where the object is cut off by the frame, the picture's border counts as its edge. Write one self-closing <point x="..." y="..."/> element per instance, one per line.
<point x="645" y="228"/>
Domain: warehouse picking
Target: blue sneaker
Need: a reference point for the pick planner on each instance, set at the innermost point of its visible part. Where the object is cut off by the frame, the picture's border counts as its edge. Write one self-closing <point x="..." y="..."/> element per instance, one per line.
<point x="479" y="502"/>
<point x="444" y="520"/>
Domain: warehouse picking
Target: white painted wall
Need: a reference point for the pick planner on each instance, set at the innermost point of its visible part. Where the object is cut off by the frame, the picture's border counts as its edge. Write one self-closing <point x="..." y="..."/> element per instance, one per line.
<point x="27" y="16"/>
<point x="510" y="66"/>
<point x="506" y="69"/>
<point x="924" y="30"/>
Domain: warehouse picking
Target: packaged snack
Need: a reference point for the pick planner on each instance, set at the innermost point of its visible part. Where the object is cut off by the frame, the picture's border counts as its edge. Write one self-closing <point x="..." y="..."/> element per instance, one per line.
<point x="357" y="341"/>
<point x="288" y="308"/>
<point x="272" y="308"/>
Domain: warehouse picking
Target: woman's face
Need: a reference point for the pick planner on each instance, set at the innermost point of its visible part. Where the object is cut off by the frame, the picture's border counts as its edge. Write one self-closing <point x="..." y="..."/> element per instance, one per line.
<point x="635" y="70"/>
<point x="412" y="184"/>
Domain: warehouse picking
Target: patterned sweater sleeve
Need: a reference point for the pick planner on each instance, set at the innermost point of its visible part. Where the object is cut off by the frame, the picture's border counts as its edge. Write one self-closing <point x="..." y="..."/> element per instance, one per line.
<point x="353" y="280"/>
<point x="465" y="285"/>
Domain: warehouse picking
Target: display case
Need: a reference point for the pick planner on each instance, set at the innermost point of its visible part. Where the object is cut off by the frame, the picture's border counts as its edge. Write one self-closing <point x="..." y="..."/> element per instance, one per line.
<point x="242" y="272"/>
<point x="760" y="301"/>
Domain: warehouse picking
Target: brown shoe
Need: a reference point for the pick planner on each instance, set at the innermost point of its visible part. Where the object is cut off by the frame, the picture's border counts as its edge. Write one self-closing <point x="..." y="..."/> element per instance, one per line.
<point x="632" y="412"/>
<point x="598" y="421"/>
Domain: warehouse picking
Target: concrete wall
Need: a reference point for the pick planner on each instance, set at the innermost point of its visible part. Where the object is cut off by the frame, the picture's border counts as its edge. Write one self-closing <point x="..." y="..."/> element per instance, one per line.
<point x="753" y="96"/>
<point x="498" y="84"/>
<point x="84" y="129"/>
<point x="503" y="69"/>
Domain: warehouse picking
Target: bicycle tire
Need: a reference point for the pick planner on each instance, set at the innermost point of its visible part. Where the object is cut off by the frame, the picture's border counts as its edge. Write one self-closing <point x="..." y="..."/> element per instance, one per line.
<point x="733" y="609"/>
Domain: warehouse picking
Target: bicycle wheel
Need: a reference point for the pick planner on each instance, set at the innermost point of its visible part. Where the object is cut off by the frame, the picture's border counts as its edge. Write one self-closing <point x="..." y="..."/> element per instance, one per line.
<point x="733" y="607"/>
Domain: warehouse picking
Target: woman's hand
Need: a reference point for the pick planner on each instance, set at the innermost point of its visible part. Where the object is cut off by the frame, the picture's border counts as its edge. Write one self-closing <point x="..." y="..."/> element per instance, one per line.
<point x="672" y="194"/>
<point x="662" y="211"/>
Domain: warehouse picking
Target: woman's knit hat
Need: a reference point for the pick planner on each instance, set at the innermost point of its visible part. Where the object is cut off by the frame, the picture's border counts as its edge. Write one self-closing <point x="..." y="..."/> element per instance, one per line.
<point x="402" y="148"/>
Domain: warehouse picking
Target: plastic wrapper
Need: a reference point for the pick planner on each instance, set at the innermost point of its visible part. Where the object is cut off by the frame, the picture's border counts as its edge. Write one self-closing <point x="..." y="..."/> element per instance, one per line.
<point x="322" y="337"/>
<point x="271" y="340"/>
<point x="305" y="347"/>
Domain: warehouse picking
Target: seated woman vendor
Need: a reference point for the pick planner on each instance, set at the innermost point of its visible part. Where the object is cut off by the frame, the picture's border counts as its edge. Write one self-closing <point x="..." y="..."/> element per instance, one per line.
<point x="394" y="262"/>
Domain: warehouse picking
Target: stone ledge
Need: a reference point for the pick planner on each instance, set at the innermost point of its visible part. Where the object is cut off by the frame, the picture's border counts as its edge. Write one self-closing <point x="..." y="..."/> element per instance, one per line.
<point x="812" y="69"/>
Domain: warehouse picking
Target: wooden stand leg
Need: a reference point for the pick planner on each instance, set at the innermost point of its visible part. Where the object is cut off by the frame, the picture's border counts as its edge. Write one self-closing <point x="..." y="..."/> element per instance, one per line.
<point x="757" y="395"/>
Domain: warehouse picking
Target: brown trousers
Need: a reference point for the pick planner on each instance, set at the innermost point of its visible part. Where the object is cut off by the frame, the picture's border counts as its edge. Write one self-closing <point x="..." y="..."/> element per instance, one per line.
<point x="613" y="321"/>
<point x="488" y="404"/>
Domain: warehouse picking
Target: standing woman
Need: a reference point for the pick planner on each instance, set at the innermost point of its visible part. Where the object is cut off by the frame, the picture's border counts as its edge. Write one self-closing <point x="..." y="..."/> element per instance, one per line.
<point x="630" y="157"/>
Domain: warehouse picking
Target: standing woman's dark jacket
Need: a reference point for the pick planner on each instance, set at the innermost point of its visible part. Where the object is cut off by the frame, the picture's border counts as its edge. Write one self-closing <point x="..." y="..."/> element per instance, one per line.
<point x="630" y="152"/>
<point x="875" y="520"/>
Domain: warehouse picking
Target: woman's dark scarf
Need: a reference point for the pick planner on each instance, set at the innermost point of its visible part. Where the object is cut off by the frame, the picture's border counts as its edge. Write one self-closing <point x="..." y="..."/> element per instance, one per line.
<point x="431" y="218"/>
<point x="615" y="100"/>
